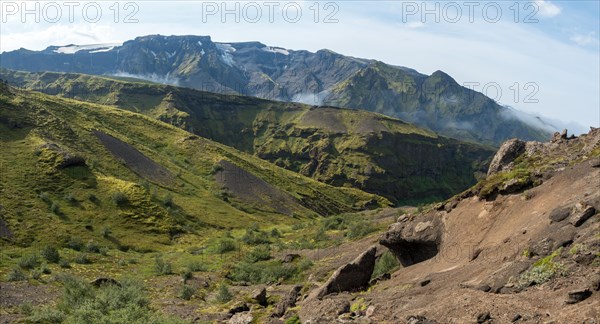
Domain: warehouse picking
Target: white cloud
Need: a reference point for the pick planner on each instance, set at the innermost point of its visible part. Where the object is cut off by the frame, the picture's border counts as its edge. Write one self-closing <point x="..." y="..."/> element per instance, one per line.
<point x="415" y="24"/>
<point x="547" y="9"/>
<point x="39" y="39"/>
<point x="584" y="40"/>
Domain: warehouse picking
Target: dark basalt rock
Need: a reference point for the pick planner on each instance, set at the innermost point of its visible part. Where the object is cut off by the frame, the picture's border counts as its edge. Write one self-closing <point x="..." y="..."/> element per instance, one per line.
<point x="350" y="277"/>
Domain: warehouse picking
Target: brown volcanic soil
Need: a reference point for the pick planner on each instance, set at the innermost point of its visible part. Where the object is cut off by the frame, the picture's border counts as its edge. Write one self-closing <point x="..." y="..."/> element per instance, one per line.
<point x="244" y="185"/>
<point x="135" y="160"/>
<point x="502" y="230"/>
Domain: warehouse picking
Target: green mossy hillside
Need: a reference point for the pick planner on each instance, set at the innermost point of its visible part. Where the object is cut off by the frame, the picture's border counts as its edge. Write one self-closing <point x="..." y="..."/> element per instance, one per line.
<point x="59" y="180"/>
<point x="341" y="147"/>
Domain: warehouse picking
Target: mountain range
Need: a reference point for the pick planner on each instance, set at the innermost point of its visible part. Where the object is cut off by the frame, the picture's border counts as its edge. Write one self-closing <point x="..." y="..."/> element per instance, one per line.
<point x="436" y="102"/>
<point x="341" y="147"/>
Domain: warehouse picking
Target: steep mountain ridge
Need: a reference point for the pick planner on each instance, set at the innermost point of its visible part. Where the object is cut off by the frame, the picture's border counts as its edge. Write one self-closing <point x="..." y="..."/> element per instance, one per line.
<point x="341" y="147"/>
<point x="324" y="78"/>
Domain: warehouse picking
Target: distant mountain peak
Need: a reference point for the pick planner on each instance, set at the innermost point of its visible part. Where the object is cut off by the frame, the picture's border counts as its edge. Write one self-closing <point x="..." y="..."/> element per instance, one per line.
<point x="252" y="68"/>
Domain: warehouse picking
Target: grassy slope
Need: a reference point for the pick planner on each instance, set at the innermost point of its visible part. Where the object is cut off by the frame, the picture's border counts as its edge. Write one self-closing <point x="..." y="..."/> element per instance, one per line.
<point x="30" y="120"/>
<point x="342" y="147"/>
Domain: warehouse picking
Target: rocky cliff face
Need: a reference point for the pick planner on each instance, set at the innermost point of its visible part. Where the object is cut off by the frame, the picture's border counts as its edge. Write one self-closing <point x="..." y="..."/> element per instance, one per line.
<point x="436" y="102"/>
<point x="528" y="255"/>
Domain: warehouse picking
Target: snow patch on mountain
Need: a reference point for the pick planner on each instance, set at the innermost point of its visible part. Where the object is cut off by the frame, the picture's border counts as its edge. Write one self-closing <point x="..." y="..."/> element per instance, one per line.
<point x="226" y="50"/>
<point x="93" y="48"/>
<point x="276" y="50"/>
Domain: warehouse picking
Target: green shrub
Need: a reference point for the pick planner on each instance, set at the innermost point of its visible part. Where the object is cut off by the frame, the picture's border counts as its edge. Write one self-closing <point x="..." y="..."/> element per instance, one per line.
<point x="93" y="198"/>
<point x="542" y="270"/>
<point x="64" y="264"/>
<point x="293" y="320"/>
<point x="386" y="263"/>
<point x="195" y="266"/>
<point x="55" y="208"/>
<point x="51" y="254"/>
<point x="16" y="274"/>
<point x="333" y="223"/>
<point x="259" y="253"/>
<point x="304" y="265"/>
<point x="255" y="237"/>
<point x="70" y="199"/>
<point x="186" y="275"/>
<point x="262" y="272"/>
<point x="216" y="168"/>
<point x="36" y="274"/>
<point x="81" y="303"/>
<point x="45" y="269"/>
<point x="26" y="309"/>
<point x="225" y="245"/>
<point x="254" y="227"/>
<point x="75" y="243"/>
<point x="29" y="261"/>
<point x="106" y="232"/>
<point x="119" y="199"/>
<point x="162" y="268"/>
<point x="103" y="251"/>
<point x="223" y="294"/>
<point x="82" y="258"/>
<point x="46" y="315"/>
<point x="275" y="233"/>
<point x="187" y="292"/>
<point x="320" y="235"/>
<point x="168" y="201"/>
<point x="145" y="184"/>
<point x="92" y="247"/>
<point x="359" y="229"/>
<point x="45" y="198"/>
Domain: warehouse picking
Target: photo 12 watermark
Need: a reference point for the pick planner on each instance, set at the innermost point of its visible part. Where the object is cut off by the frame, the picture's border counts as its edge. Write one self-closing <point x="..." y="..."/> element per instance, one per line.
<point x="469" y="11"/>
<point x="69" y="12"/>
<point x="269" y="11"/>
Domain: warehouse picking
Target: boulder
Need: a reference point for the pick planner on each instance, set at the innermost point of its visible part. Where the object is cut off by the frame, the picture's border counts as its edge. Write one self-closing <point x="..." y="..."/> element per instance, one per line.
<point x="370" y="311"/>
<point x="595" y="283"/>
<point x="287" y="302"/>
<point x="419" y="319"/>
<point x="507" y="153"/>
<point x="288" y="258"/>
<point x="415" y="240"/>
<point x="239" y="308"/>
<point x="385" y="276"/>
<point x="483" y="317"/>
<point x="260" y="296"/>
<point x="353" y="276"/>
<point x="425" y="282"/>
<point x="241" y="318"/>
<point x="559" y="214"/>
<point x="576" y="296"/>
<point x="326" y="310"/>
<point x="581" y="217"/>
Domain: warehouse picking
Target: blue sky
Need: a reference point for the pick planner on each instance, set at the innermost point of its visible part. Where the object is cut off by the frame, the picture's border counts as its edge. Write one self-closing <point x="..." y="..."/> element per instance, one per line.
<point x="542" y="57"/>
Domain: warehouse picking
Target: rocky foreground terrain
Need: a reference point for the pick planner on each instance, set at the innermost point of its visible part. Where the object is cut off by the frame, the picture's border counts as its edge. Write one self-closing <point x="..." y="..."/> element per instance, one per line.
<point x="521" y="246"/>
